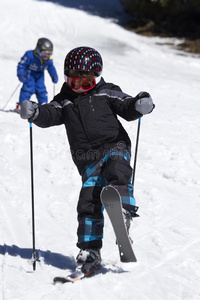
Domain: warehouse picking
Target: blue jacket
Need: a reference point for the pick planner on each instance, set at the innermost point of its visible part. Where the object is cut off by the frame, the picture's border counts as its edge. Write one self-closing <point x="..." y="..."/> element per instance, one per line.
<point x="31" y="64"/>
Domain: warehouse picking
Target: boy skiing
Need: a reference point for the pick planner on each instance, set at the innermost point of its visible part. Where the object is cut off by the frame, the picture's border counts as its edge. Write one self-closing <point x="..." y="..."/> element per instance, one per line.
<point x="100" y="147"/>
<point x="30" y="71"/>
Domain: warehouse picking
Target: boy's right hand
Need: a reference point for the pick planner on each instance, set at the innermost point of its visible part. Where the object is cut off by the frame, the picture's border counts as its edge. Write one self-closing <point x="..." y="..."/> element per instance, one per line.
<point x="23" y="78"/>
<point x="29" y="110"/>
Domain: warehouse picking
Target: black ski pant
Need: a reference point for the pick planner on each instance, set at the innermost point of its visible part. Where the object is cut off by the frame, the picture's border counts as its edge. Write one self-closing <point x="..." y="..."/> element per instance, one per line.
<point x="114" y="168"/>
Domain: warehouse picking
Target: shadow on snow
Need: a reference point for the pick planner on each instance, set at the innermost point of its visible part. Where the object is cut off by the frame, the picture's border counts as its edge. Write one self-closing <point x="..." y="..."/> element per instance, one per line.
<point x="50" y="258"/>
<point x="55" y="259"/>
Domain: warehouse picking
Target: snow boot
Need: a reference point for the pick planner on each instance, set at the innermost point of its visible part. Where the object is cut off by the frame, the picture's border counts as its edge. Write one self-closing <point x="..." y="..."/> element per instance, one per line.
<point x="88" y="260"/>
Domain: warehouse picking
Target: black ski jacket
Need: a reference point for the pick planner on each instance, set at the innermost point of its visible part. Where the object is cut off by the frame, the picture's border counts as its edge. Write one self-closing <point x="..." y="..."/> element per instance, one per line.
<point x="90" y="120"/>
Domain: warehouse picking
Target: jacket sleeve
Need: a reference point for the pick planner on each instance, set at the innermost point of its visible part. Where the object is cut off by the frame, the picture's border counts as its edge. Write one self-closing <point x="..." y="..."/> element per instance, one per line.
<point x="22" y="67"/>
<point x="123" y="104"/>
<point x="50" y="114"/>
<point x="52" y="71"/>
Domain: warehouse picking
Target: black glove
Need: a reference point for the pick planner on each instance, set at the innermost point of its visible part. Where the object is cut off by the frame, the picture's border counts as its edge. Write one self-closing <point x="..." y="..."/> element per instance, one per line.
<point x="29" y="110"/>
<point x="144" y="104"/>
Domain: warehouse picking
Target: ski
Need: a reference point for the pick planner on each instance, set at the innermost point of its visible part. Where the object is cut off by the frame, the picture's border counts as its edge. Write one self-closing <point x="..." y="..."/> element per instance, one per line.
<point x="10" y="110"/>
<point x="111" y="201"/>
<point x="74" y="276"/>
<point x="79" y="275"/>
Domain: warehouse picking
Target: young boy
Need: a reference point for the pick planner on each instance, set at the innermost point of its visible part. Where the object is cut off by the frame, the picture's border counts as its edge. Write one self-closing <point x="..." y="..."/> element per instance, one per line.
<point x="30" y="71"/>
<point x="100" y="146"/>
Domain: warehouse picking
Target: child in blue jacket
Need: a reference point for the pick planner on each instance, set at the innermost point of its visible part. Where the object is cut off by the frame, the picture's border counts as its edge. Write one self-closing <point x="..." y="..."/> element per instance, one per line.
<point x="30" y="71"/>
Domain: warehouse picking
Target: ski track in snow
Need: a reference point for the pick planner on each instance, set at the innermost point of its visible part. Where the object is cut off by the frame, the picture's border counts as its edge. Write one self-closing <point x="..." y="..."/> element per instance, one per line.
<point x="167" y="188"/>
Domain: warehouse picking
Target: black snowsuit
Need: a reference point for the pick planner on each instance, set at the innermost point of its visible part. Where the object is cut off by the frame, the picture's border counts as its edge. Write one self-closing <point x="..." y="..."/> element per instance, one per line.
<point x="100" y="148"/>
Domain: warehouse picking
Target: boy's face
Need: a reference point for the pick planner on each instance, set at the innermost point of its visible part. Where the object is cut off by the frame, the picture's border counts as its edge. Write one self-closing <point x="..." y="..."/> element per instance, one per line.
<point x="45" y="55"/>
<point x="80" y="81"/>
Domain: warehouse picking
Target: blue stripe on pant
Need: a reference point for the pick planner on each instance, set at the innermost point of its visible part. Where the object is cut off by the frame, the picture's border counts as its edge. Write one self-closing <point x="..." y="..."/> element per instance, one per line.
<point x="114" y="168"/>
<point x="91" y="230"/>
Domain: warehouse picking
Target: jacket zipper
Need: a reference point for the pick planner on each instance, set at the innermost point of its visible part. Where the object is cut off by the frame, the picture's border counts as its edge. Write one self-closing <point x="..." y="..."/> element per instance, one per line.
<point x="90" y="102"/>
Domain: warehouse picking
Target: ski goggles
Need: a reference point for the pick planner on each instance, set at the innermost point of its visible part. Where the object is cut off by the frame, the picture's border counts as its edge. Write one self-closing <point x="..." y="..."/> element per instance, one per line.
<point x="45" y="55"/>
<point x="84" y="83"/>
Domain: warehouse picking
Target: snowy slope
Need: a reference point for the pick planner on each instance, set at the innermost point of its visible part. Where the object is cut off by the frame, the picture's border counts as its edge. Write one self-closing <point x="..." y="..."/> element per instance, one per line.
<point x="167" y="188"/>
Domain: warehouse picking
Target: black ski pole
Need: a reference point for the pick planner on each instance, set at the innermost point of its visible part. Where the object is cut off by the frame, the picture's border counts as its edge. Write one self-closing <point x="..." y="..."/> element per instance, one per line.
<point x="136" y="151"/>
<point x="32" y="198"/>
<point x="11" y="96"/>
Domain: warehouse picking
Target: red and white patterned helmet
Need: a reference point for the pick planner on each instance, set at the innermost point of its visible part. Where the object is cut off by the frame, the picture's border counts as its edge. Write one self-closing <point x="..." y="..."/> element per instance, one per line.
<point x="83" y="59"/>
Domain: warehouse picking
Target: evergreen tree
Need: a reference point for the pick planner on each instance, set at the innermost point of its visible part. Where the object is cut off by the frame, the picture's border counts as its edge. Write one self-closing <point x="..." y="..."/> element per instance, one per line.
<point x="172" y="17"/>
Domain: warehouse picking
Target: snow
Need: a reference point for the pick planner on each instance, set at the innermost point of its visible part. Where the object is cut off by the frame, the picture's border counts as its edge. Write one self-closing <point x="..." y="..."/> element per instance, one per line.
<point x="167" y="186"/>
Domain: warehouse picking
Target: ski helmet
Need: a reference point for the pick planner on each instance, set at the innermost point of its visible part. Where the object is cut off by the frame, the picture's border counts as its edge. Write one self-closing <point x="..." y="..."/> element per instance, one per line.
<point x="44" y="44"/>
<point x="83" y="59"/>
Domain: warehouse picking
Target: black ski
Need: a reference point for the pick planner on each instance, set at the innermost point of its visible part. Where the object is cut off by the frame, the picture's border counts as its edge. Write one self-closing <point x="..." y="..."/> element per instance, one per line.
<point x="73" y="277"/>
<point x="79" y="275"/>
<point x="111" y="201"/>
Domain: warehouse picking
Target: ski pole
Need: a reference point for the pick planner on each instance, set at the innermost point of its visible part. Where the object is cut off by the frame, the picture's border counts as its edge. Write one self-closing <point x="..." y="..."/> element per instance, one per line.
<point x="136" y="150"/>
<point x="53" y="90"/>
<point x="11" y="95"/>
<point x="32" y="198"/>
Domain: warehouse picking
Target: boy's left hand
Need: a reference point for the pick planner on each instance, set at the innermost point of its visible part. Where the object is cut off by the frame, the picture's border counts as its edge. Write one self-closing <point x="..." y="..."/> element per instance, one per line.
<point x="55" y="79"/>
<point x="144" y="104"/>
